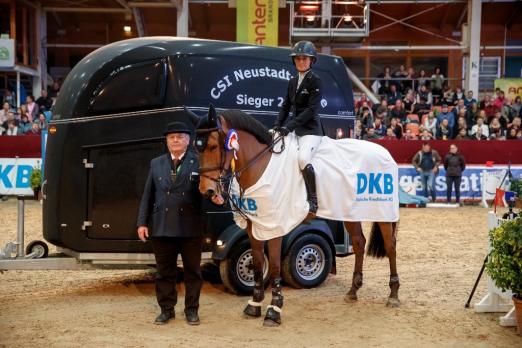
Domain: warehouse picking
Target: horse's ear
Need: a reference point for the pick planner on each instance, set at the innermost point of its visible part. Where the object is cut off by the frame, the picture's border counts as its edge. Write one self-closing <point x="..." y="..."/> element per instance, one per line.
<point x="189" y="112"/>
<point x="195" y="119"/>
<point x="222" y="124"/>
<point x="212" y="117"/>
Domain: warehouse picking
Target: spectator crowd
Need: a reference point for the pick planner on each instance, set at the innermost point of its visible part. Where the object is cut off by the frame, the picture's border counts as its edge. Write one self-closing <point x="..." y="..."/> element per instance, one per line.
<point x="420" y="107"/>
<point x="30" y="118"/>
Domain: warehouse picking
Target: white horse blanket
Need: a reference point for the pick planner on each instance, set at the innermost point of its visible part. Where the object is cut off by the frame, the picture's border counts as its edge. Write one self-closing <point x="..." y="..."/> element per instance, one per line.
<point x="356" y="181"/>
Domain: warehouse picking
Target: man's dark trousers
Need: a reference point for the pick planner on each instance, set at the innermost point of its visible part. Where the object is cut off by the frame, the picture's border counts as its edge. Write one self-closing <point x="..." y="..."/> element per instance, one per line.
<point x="166" y="251"/>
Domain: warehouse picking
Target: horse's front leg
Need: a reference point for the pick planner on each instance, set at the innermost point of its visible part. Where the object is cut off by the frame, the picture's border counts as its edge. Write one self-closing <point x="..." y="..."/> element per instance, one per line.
<point x="389" y="231"/>
<point x="253" y="308"/>
<point x="358" y="243"/>
<point x="274" y="310"/>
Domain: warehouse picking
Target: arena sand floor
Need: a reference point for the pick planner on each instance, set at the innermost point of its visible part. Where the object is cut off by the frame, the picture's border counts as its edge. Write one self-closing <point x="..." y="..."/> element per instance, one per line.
<point x="440" y="252"/>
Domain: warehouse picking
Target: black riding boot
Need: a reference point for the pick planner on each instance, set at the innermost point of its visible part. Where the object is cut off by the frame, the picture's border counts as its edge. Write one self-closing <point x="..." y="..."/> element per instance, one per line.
<point x="253" y="308"/>
<point x="274" y="310"/>
<point x="309" y="179"/>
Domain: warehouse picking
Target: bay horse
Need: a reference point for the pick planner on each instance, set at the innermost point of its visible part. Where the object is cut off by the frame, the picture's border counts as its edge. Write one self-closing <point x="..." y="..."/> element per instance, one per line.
<point x="219" y="164"/>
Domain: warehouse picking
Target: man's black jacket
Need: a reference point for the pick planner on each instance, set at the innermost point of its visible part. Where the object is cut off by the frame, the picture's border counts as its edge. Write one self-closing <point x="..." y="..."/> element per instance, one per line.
<point x="172" y="209"/>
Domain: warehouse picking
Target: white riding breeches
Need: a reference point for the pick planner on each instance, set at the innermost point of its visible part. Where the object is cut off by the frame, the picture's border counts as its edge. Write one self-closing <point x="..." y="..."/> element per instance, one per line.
<point x="308" y="144"/>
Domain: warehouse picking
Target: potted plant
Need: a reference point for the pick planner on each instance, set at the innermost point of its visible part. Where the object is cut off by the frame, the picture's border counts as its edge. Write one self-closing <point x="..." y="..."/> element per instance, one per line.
<point x="36" y="181"/>
<point x="516" y="186"/>
<point x="505" y="261"/>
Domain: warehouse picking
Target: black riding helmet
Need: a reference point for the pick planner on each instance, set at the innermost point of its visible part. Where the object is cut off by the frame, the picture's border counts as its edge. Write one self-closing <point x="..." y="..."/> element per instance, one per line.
<point x="304" y="48"/>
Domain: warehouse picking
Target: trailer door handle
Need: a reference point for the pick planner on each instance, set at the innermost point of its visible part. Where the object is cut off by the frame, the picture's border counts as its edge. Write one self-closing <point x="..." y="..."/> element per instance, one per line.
<point x="43" y="189"/>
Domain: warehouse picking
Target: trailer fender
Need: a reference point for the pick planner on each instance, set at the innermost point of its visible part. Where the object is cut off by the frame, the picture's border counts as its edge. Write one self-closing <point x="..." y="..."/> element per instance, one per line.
<point x="230" y="236"/>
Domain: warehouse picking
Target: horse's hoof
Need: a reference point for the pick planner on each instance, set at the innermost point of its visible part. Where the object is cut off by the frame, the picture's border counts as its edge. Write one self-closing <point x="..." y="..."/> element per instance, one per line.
<point x="273" y="316"/>
<point x="393" y="302"/>
<point x="252" y="310"/>
<point x="271" y="323"/>
<point x="350" y="297"/>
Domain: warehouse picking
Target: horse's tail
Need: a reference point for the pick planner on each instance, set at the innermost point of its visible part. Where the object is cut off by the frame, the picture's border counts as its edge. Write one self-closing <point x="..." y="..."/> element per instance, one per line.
<point x="376" y="247"/>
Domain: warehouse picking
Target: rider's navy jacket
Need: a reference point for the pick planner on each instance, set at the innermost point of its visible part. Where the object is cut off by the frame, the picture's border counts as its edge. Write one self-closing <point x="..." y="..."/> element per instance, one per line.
<point x="304" y="103"/>
<point x="172" y="208"/>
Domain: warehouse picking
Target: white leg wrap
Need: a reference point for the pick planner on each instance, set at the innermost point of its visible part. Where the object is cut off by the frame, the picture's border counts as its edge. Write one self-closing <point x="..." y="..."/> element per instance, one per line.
<point x="275" y="308"/>
<point x="254" y="304"/>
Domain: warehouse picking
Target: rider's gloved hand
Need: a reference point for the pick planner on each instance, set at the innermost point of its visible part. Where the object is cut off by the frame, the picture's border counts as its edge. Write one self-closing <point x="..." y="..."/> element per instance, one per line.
<point x="275" y="129"/>
<point x="284" y="131"/>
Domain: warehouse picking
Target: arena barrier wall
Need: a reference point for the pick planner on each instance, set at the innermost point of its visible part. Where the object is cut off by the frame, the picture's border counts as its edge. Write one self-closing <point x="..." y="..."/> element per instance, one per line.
<point x="14" y="174"/>
<point x="475" y="152"/>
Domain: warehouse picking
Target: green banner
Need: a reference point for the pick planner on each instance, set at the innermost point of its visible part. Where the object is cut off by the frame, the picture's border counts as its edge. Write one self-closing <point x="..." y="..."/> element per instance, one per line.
<point x="511" y="87"/>
<point x="257" y="22"/>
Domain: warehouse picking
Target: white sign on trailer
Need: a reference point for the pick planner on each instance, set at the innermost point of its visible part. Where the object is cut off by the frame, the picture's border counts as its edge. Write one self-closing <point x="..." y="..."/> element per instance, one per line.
<point x="15" y="175"/>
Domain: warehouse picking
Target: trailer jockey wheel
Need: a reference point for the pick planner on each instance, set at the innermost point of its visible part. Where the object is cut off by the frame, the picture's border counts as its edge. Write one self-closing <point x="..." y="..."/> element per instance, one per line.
<point x="39" y="248"/>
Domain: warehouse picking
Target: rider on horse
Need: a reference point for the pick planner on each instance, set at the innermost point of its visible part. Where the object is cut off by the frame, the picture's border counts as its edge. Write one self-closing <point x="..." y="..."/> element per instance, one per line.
<point x="303" y="99"/>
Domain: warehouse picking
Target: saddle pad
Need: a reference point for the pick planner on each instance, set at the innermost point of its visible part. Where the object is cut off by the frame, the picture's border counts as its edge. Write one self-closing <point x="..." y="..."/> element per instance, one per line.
<point x="356" y="181"/>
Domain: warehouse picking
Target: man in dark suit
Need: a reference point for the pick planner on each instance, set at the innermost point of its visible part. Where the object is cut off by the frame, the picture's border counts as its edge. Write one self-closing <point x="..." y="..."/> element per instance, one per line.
<point x="303" y="98"/>
<point x="171" y="205"/>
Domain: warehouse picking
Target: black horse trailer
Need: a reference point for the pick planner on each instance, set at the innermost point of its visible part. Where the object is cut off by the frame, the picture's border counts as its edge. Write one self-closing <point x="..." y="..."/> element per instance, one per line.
<point x="106" y="127"/>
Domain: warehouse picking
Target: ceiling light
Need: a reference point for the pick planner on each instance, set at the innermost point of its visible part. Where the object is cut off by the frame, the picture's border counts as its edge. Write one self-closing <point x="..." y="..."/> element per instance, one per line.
<point x="310" y="18"/>
<point x="127" y="28"/>
<point x="304" y="8"/>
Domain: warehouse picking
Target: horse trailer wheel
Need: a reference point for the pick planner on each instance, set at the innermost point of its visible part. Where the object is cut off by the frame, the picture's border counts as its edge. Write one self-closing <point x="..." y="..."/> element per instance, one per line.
<point x="237" y="271"/>
<point x="38" y="247"/>
<point x="308" y="262"/>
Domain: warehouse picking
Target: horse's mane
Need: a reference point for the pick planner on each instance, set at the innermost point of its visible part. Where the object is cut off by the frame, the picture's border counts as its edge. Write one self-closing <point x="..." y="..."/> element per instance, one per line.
<point x="239" y="120"/>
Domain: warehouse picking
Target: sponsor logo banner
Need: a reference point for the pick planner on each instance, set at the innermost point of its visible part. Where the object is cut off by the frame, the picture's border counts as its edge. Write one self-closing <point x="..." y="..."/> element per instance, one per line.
<point x="257" y="22"/>
<point x="470" y="186"/>
<point x="373" y="187"/>
<point x="15" y="175"/>
<point x="511" y="87"/>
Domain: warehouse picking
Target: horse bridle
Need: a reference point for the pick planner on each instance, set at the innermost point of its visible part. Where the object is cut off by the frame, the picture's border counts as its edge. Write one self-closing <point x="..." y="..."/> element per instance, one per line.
<point x="226" y="173"/>
<point x="222" y="168"/>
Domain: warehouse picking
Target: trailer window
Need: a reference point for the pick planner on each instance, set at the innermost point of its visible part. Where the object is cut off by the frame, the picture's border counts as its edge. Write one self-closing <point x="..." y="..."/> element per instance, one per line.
<point x="131" y="88"/>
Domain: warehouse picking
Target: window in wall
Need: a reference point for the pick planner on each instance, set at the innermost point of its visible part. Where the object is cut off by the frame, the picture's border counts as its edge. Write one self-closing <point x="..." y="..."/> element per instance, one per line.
<point x="378" y="64"/>
<point x="356" y="65"/>
<point x="5" y="19"/>
<point x="131" y="88"/>
<point x="489" y="70"/>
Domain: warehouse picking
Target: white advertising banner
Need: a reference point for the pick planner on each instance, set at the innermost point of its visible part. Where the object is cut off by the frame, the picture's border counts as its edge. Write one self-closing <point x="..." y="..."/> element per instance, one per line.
<point x="15" y="175"/>
<point x="7" y="53"/>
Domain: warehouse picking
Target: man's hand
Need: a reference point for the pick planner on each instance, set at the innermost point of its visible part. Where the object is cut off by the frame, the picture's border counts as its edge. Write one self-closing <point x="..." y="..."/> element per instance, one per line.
<point x="143" y="233"/>
<point x="434" y="170"/>
<point x="284" y="131"/>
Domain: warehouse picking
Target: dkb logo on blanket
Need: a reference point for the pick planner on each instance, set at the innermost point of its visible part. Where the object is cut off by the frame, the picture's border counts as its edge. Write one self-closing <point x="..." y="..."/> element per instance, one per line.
<point x="374" y="183"/>
<point x="244" y="203"/>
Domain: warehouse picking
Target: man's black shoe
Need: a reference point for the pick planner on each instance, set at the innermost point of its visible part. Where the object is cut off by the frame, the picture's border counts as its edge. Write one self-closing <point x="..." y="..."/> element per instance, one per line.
<point x="164" y="317"/>
<point x="192" y="317"/>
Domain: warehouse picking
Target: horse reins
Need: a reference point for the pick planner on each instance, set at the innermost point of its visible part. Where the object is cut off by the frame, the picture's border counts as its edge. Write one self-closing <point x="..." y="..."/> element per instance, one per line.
<point x="226" y="175"/>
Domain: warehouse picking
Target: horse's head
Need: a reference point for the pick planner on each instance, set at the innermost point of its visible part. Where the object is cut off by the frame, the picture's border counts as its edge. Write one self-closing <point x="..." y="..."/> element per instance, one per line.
<point x="214" y="161"/>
